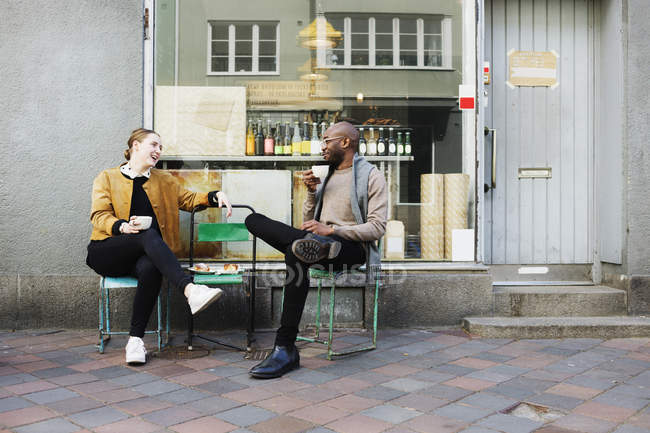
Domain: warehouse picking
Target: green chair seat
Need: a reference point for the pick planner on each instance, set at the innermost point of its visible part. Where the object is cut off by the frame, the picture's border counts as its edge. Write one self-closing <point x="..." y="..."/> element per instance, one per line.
<point x="319" y="273"/>
<point x="219" y="279"/>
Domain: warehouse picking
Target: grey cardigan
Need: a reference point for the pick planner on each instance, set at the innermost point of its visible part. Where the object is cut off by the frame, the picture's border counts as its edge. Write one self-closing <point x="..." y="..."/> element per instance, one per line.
<point x="358" y="201"/>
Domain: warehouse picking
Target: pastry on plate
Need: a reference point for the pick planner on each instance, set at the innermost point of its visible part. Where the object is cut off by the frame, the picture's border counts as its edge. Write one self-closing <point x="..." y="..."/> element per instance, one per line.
<point x="230" y="267"/>
<point x="202" y="267"/>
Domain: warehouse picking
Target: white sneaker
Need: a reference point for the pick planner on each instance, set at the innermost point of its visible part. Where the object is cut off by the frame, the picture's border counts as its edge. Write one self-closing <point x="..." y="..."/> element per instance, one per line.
<point x="135" y="351"/>
<point x="201" y="296"/>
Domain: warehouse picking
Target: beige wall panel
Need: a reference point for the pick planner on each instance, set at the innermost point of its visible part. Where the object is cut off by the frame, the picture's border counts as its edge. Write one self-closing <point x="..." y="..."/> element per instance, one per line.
<point x="299" y="197"/>
<point x="269" y="193"/>
<point x="198" y="181"/>
<point x="456" y="205"/>
<point x="432" y="232"/>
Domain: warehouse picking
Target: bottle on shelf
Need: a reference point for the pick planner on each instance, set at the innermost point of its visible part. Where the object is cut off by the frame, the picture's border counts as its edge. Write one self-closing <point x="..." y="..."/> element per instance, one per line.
<point x="259" y="139"/>
<point x="407" y="144"/>
<point x="363" y="148"/>
<point x="392" y="146"/>
<point x="296" y="140"/>
<point x="287" y="140"/>
<point x="315" y="141"/>
<point x="372" y="143"/>
<point x="400" y="144"/>
<point x="381" y="143"/>
<point x="323" y="128"/>
<point x="269" y="141"/>
<point x="305" y="147"/>
<point x="250" y="139"/>
<point x="279" y="147"/>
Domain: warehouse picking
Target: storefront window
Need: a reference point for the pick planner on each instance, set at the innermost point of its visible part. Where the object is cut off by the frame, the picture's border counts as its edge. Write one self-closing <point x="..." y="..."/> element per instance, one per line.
<point x="278" y="73"/>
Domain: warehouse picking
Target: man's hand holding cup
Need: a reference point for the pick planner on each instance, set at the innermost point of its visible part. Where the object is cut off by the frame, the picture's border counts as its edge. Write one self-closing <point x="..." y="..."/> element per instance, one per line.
<point x="313" y="177"/>
<point x="310" y="180"/>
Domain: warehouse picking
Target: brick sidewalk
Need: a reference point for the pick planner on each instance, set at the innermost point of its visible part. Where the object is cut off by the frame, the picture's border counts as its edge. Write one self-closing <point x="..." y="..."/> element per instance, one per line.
<point x="416" y="381"/>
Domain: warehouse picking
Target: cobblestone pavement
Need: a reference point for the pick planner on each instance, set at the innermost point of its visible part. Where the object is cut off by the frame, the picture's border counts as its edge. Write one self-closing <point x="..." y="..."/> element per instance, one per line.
<point x="416" y="381"/>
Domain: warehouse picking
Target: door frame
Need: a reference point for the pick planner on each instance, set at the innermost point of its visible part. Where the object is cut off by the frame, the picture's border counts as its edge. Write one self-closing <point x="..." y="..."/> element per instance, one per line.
<point x="594" y="41"/>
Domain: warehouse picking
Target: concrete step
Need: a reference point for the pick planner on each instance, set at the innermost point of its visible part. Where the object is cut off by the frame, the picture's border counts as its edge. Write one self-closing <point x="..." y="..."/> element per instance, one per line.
<point x="547" y="301"/>
<point x="527" y="273"/>
<point x="558" y="327"/>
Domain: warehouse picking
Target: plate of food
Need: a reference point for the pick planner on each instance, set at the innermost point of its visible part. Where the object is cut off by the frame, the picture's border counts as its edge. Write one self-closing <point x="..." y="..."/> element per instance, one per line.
<point x="202" y="268"/>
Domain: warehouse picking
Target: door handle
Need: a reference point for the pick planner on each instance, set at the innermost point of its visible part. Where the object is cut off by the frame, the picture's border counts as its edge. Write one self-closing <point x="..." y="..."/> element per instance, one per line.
<point x="494" y="158"/>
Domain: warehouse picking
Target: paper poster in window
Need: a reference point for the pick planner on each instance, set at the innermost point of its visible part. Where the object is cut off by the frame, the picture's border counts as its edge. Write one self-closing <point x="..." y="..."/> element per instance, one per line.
<point x="201" y="120"/>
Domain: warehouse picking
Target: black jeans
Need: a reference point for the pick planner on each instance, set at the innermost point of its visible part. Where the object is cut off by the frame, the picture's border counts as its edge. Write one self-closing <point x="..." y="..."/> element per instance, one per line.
<point x="145" y="256"/>
<point x="280" y="236"/>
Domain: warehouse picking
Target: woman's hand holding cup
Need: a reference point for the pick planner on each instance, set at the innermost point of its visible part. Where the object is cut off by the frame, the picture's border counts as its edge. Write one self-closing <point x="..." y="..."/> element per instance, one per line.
<point x="131" y="227"/>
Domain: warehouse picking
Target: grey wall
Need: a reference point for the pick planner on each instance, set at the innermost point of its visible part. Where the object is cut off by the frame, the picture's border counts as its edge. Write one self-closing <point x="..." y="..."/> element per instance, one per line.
<point x="638" y="133"/>
<point x="71" y="90"/>
<point x="609" y="133"/>
<point x="637" y="157"/>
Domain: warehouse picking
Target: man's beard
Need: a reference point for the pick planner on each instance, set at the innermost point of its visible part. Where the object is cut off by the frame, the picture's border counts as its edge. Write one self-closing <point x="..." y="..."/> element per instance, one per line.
<point x="335" y="158"/>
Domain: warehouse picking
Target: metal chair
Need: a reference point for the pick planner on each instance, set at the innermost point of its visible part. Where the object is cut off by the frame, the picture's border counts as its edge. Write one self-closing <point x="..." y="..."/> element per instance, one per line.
<point x="106" y="284"/>
<point x="372" y="276"/>
<point x="224" y="232"/>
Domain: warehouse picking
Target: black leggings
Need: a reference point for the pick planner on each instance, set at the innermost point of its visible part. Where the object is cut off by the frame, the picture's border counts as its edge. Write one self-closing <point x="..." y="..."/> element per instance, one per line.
<point x="145" y="256"/>
<point x="280" y="236"/>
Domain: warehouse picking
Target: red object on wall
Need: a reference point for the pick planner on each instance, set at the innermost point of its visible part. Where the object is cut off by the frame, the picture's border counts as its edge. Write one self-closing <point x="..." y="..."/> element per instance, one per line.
<point x="466" y="103"/>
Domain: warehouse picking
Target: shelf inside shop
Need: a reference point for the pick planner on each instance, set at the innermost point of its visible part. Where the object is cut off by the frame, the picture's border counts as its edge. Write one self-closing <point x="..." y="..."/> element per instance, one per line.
<point x="395" y="127"/>
<point x="275" y="158"/>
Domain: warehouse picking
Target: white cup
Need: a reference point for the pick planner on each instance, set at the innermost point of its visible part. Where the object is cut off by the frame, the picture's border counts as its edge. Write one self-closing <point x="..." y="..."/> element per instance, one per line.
<point x="320" y="171"/>
<point x="142" y="222"/>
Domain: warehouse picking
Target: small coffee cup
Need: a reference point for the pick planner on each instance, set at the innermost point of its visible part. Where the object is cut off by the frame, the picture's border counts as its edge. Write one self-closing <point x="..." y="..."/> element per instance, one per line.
<point x="142" y="222"/>
<point x="320" y="171"/>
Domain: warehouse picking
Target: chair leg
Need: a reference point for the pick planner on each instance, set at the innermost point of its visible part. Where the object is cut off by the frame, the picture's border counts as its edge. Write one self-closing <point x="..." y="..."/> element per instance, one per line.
<point x="318" y="304"/>
<point x="159" y="331"/>
<point x="101" y="316"/>
<point x="107" y="305"/>
<point x="374" y="319"/>
<point x="330" y="351"/>
<point x="190" y="328"/>
<point x="251" y="313"/>
<point x="169" y="293"/>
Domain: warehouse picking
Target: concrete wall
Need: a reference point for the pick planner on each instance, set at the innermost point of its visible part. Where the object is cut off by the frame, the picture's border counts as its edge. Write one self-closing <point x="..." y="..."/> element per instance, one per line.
<point x="72" y="91"/>
<point x="610" y="127"/>
<point x="421" y="299"/>
<point x="633" y="275"/>
<point x="638" y="131"/>
<point x="637" y="67"/>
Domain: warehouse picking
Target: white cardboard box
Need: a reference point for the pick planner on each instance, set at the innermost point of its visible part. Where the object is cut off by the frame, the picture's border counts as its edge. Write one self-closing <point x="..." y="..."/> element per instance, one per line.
<point x="462" y="245"/>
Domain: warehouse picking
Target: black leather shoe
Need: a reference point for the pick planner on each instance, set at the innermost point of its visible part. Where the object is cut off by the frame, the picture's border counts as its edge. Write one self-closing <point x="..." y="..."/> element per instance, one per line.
<point x="282" y="360"/>
<point x="313" y="248"/>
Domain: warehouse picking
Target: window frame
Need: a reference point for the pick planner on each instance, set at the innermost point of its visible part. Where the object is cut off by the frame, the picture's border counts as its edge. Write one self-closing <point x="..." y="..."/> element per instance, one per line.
<point x="445" y="48"/>
<point x="255" y="56"/>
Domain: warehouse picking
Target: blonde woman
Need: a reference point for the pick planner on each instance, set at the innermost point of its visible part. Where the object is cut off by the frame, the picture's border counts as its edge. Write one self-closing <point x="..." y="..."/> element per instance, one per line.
<point x="120" y="246"/>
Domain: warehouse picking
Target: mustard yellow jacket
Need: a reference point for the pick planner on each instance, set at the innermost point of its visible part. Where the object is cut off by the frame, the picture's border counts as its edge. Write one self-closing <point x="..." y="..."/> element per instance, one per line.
<point x="111" y="201"/>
